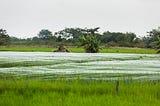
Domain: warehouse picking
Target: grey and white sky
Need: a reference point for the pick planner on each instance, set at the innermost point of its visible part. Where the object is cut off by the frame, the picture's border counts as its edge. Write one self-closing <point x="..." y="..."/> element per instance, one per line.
<point x="25" y="18"/>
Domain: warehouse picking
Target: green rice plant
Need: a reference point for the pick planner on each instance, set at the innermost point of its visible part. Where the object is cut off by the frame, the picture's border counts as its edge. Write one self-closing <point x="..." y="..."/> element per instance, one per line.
<point x="78" y="92"/>
<point x="27" y="64"/>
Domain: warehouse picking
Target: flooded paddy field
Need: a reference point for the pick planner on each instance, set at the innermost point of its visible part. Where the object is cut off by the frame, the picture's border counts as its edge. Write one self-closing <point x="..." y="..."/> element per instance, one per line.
<point x="97" y="66"/>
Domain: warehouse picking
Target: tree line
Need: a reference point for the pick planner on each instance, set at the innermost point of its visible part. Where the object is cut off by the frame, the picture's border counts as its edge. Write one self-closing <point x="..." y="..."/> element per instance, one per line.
<point x="80" y="37"/>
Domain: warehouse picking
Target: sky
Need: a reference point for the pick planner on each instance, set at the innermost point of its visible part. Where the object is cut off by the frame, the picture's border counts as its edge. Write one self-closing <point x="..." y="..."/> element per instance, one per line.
<point x="25" y="18"/>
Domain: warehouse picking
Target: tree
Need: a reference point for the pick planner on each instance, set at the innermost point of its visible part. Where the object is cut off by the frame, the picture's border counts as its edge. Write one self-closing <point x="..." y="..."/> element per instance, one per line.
<point x="119" y="39"/>
<point x="152" y="38"/>
<point x="158" y="43"/>
<point x="4" y="37"/>
<point x="45" y="34"/>
<point x="71" y="33"/>
<point x="90" y="41"/>
<point x="92" y="31"/>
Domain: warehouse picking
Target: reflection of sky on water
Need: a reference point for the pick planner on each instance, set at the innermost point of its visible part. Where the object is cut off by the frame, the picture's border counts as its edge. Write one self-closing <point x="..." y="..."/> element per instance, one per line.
<point x="80" y="63"/>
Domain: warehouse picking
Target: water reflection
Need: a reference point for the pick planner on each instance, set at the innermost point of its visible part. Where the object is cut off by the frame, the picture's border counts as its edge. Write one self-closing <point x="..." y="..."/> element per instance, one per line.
<point x="69" y="64"/>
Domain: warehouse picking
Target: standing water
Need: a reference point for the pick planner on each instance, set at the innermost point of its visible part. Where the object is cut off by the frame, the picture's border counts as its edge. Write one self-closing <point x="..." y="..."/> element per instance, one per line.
<point x="103" y="66"/>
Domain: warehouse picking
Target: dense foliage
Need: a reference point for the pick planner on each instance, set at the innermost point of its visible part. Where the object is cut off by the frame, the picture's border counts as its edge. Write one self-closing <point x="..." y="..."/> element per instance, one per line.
<point x="73" y="37"/>
<point x="152" y="38"/>
<point x="78" y="93"/>
<point x="119" y="39"/>
<point x="90" y="41"/>
<point x="4" y="37"/>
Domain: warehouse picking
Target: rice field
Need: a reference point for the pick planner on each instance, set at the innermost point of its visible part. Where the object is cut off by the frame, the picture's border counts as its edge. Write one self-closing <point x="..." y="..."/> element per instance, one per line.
<point x="76" y="79"/>
<point x="98" y="66"/>
<point x="77" y="93"/>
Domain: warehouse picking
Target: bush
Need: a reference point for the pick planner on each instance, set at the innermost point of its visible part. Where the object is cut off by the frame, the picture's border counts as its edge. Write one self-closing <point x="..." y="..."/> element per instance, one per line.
<point x="90" y="43"/>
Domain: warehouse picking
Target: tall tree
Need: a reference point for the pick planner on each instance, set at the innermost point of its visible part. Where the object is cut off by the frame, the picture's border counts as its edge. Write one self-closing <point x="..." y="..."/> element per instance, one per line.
<point x="4" y="37"/>
<point x="158" y="43"/>
<point x="45" y="34"/>
<point x="152" y="38"/>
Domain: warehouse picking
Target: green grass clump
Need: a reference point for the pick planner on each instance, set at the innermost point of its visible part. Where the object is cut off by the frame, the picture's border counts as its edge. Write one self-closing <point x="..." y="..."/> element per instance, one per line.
<point x="78" y="93"/>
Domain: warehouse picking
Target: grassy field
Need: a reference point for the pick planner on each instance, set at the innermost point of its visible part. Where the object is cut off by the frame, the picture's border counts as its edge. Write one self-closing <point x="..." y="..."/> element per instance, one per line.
<point x="80" y="50"/>
<point x="78" y="92"/>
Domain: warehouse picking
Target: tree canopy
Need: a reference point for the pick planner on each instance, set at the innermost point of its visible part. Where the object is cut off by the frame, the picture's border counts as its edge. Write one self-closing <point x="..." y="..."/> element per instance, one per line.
<point x="45" y="34"/>
<point x="4" y="37"/>
<point x="73" y="37"/>
<point x="90" y="42"/>
<point x="152" y="38"/>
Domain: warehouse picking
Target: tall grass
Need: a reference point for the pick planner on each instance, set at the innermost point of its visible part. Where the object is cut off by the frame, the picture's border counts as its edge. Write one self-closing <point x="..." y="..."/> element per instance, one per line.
<point x="78" y="93"/>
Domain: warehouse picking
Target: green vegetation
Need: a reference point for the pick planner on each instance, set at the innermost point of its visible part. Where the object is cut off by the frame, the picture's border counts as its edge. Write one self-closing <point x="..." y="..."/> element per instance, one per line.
<point x="90" y="42"/>
<point x="27" y="49"/>
<point x="26" y="64"/>
<point x="78" y="92"/>
<point x="158" y="45"/>
<point x="22" y="88"/>
<point x="152" y="39"/>
<point x="128" y="50"/>
<point x="89" y="38"/>
<point x="52" y="89"/>
<point x="4" y="37"/>
<point x="79" y="50"/>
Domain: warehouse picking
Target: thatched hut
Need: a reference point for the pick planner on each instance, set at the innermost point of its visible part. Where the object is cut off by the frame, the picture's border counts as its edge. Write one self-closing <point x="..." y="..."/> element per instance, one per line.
<point x="61" y="49"/>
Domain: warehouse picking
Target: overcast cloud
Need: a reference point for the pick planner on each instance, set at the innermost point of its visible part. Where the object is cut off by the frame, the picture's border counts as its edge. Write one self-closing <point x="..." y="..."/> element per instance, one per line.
<point x="25" y="18"/>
